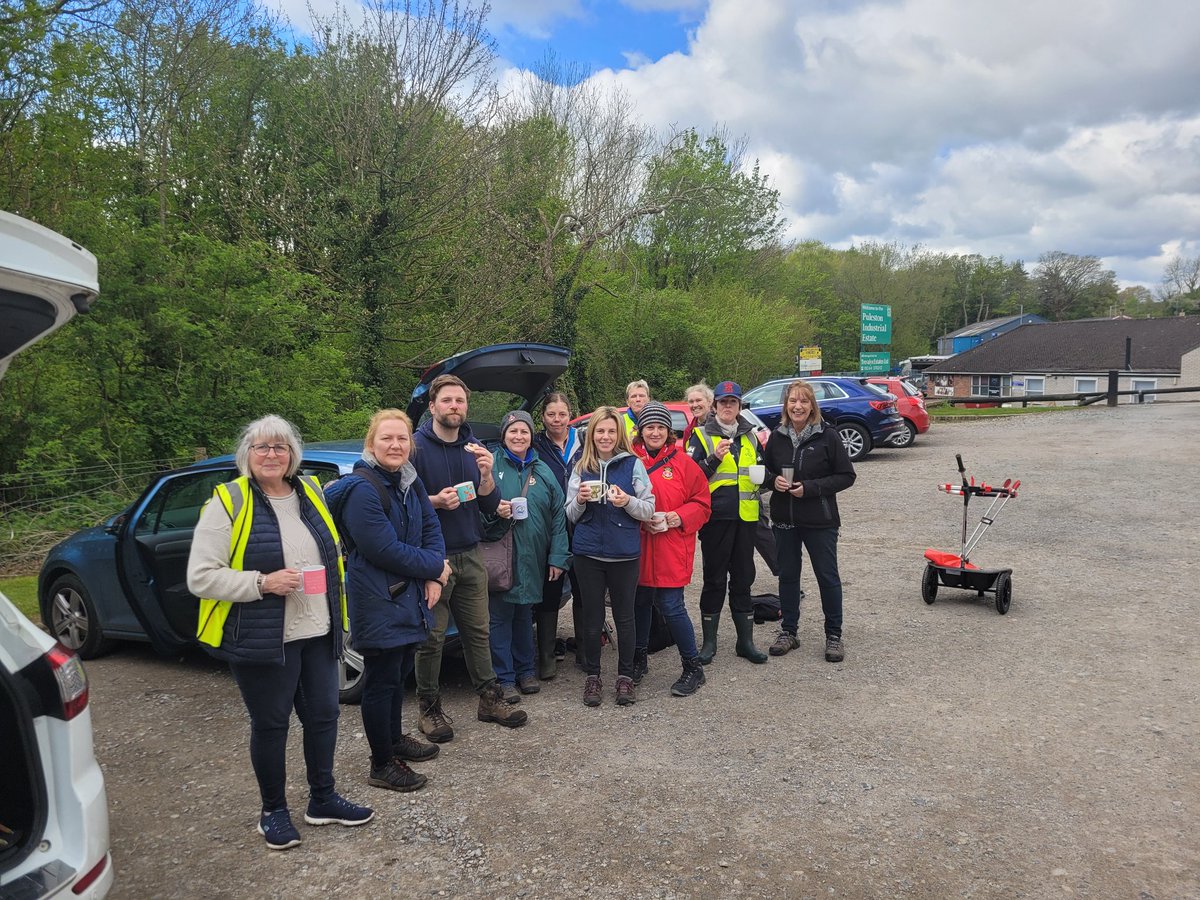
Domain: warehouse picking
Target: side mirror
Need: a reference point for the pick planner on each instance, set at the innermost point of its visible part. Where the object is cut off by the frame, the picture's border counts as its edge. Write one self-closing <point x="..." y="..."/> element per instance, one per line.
<point x="116" y="523"/>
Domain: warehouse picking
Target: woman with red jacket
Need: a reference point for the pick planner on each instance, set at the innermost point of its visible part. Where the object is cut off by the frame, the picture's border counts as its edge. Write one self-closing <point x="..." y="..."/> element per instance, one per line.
<point x="682" y="504"/>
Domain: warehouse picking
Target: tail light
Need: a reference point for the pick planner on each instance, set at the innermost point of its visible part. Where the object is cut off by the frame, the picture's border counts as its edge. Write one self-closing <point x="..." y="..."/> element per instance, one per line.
<point x="71" y="679"/>
<point x="86" y="881"/>
<point x="883" y="405"/>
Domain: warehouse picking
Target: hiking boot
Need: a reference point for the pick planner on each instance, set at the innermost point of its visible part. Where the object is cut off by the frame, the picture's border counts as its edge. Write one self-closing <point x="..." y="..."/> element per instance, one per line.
<point x="744" y="624"/>
<point x="591" y="690"/>
<point x="434" y="723"/>
<point x="708" y="625"/>
<point x="408" y="747"/>
<point x="276" y="826"/>
<point x="397" y="776"/>
<point x="784" y="643"/>
<point x="493" y="708"/>
<point x="337" y="811"/>
<point x="625" y="691"/>
<point x="691" y="679"/>
<point x="560" y="649"/>
<point x="510" y="693"/>
<point x="641" y="664"/>
<point x="528" y="684"/>
<point x="835" y="650"/>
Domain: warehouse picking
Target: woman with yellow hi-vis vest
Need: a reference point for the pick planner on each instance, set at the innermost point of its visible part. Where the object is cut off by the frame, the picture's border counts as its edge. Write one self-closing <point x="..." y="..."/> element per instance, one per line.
<point x="278" y="620"/>
<point x="726" y="447"/>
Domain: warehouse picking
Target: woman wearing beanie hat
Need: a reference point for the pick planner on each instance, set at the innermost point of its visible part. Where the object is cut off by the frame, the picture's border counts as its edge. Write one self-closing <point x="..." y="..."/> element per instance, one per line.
<point x="669" y="546"/>
<point x="539" y="551"/>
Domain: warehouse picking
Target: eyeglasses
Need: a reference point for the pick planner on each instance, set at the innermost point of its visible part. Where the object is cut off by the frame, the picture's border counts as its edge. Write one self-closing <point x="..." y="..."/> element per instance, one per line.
<point x="265" y="449"/>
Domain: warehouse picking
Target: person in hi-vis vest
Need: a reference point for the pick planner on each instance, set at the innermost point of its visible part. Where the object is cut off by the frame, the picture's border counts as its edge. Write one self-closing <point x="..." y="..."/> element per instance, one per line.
<point x="280" y="633"/>
<point x="726" y="447"/>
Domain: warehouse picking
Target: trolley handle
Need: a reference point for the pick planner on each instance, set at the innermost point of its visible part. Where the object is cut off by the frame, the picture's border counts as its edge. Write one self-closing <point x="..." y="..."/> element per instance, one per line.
<point x="961" y="468"/>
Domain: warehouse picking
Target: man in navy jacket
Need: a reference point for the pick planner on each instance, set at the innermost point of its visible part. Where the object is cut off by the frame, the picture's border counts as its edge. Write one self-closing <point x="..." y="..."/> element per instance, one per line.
<point x="448" y="456"/>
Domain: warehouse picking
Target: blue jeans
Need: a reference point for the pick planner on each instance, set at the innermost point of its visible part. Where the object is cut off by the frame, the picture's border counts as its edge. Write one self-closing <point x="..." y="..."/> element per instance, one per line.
<point x="307" y="680"/>
<point x="384" y="674"/>
<point x="511" y="635"/>
<point x="821" y="544"/>
<point x="670" y="603"/>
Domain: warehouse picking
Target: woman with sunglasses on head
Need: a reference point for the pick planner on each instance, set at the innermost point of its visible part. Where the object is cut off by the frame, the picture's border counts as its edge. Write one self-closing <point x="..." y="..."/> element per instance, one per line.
<point x="608" y="497"/>
<point x="281" y="635"/>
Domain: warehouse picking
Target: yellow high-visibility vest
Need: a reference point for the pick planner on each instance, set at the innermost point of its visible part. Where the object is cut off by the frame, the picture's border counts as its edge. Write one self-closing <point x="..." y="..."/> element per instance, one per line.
<point x="735" y="470"/>
<point x="238" y="500"/>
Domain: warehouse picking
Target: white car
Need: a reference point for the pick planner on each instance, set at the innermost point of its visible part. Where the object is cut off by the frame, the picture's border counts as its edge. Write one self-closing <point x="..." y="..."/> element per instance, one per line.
<point x="53" y="810"/>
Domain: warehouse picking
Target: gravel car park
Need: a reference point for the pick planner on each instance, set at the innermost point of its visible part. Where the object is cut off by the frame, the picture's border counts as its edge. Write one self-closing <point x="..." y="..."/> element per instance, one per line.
<point x="955" y="753"/>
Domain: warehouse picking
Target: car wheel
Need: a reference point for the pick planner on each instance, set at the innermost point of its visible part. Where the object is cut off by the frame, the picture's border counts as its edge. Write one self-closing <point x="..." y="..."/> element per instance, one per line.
<point x="350" y="674"/>
<point x="905" y="436"/>
<point x="72" y="619"/>
<point x="855" y="439"/>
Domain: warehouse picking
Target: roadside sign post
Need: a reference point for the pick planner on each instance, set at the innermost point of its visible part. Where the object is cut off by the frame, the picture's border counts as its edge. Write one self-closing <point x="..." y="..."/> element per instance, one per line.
<point x="876" y="323"/>
<point x="871" y="363"/>
<point x="808" y="360"/>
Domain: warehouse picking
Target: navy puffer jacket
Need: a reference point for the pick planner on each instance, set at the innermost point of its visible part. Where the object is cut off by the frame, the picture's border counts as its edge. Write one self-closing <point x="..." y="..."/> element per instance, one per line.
<point x="389" y="550"/>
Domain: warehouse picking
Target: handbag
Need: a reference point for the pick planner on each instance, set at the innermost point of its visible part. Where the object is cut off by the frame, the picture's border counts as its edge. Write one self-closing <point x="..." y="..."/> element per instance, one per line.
<point x="498" y="555"/>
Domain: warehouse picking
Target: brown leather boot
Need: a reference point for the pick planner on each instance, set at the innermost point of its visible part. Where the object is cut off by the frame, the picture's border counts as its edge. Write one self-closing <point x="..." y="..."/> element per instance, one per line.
<point x="434" y="723"/>
<point x="494" y="708"/>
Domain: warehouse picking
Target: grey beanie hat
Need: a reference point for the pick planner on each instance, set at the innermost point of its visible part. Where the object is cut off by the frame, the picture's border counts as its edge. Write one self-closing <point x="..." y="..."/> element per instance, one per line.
<point x="654" y="413"/>
<point x="511" y="418"/>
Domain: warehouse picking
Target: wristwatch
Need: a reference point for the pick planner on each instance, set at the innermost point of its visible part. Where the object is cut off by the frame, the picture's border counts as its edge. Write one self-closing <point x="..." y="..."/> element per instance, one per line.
<point x="262" y="580"/>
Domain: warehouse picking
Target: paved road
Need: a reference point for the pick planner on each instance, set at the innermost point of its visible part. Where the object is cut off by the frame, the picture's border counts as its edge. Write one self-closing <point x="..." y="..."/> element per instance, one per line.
<point x="956" y="752"/>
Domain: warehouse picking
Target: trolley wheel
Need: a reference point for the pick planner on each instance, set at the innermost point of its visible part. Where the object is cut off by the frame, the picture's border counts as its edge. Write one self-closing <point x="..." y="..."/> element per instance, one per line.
<point x="1003" y="592"/>
<point x="929" y="584"/>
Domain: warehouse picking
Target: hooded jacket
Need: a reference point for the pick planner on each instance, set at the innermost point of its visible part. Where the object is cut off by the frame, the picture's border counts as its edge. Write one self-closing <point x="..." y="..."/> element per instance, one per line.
<point x="442" y="464"/>
<point x="403" y="548"/>
<point x="821" y="464"/>
<point x="679" y="486"/>
<point x="538" y="541"/>
<point x="602" y="530"/>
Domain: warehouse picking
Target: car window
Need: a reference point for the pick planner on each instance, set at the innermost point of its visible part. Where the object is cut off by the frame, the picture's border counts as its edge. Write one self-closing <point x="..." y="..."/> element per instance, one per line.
<point x="769" y="394"/>
<point x="909" y="389"/>
<point x="827" y="390"/>
<point x="323" y="474"/>
<point x="879" y="389"/>
<point x="177" y="504"/>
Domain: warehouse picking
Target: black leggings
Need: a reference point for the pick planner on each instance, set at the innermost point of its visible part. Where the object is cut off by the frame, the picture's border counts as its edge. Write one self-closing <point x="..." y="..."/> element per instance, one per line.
<point x="619" y="579"/>
<point x="384" y="674"/>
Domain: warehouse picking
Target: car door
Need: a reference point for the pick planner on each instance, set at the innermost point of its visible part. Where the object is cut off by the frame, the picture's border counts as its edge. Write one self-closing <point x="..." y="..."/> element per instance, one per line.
<point x="155" y="541"/>
<point x="153" y="545"/>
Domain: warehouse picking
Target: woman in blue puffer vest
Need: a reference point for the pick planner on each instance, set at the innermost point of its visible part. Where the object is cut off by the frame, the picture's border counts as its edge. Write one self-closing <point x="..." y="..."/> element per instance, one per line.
<point x="608" y="497"/>
<point x="395" y="570"/>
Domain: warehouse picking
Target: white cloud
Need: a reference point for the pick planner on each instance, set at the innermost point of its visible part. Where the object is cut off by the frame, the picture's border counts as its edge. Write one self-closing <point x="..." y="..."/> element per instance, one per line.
<point x="1012" y="128"/>
<point x="532" y="18"/>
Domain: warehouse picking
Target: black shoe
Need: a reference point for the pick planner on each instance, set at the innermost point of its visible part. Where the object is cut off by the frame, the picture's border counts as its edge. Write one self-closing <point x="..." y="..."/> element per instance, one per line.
<point x="708" y="625"/>
<point x="408" y="747"/>
<point x="397" y="776"/>
<point x="691" y="679"/>
<point x="641" y="664"/>
<point x="560" y="649"/>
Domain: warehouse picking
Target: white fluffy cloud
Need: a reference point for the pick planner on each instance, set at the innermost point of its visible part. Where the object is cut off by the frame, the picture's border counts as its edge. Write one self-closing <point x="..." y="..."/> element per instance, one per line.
<point x="1013" y="127"/>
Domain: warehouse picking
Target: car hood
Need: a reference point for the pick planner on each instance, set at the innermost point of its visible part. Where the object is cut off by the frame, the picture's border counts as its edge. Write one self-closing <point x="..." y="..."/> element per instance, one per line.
<point x="44" y="280"/>
<point x="527" y="370"/>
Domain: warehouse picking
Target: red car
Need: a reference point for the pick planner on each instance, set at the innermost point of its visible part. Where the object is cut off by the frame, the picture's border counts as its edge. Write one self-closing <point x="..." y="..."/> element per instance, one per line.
<point x="681" y="415"/>
<point x="911" y="406"/>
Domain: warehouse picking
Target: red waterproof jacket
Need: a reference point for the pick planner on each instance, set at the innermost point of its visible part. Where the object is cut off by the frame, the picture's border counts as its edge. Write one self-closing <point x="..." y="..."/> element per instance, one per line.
<point x="679" y="486"/>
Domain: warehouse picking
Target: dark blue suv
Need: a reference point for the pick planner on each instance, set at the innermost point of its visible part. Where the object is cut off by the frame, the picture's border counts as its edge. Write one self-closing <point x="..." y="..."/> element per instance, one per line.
<point x="864" y="415"/>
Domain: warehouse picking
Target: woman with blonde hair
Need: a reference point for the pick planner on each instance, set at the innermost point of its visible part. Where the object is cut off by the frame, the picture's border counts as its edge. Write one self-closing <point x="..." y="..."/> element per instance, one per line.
<point x="808" y="466"/>
<point x="608" y="497"/>
<point x="396" y="569"/>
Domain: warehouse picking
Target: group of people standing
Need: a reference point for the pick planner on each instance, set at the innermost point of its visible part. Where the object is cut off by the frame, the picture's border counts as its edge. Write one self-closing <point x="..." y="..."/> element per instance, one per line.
<point x="610" y="518"/>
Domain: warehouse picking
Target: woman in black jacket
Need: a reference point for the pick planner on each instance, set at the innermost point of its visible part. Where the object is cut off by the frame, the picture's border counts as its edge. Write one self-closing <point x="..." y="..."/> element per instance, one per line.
<point x="807" y="465"/>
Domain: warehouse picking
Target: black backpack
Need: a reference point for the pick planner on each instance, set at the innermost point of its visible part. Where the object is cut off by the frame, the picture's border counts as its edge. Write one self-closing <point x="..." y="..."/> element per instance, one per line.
<point x="339" y="501"/>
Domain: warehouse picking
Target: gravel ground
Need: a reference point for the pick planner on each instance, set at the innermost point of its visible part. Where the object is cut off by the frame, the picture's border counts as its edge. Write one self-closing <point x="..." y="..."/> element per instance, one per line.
<point x="956" y="752"/>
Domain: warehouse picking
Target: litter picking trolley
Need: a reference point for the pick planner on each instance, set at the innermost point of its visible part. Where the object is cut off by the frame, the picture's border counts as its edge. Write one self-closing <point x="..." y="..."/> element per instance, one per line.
<point x="957" y="571"/>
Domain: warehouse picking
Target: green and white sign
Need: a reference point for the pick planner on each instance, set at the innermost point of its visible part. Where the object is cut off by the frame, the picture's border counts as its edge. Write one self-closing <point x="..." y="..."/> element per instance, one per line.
<point x="876" y="323"/>
<point x="872" y="363"/>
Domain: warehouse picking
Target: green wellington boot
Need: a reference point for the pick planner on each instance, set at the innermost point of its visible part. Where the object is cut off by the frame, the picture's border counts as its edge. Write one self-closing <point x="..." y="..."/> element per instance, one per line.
<point x="744" y="623"/>
<point x="708" y="649"/>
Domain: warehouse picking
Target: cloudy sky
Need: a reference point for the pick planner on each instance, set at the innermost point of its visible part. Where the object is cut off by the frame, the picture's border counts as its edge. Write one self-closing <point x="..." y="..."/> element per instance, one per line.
<point x="1007" y="127"/>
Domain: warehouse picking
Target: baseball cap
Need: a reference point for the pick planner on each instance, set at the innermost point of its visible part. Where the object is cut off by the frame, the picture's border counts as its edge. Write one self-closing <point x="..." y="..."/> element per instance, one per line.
<point x="727" y="389"/>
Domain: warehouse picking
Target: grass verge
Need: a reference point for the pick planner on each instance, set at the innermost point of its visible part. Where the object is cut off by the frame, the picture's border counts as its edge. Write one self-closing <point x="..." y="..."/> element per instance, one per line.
<point x="22" y="591"/>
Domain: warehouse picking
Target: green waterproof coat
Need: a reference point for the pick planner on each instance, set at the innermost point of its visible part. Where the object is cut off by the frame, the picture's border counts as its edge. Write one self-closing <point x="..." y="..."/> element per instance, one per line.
<point x="539" y="541"/>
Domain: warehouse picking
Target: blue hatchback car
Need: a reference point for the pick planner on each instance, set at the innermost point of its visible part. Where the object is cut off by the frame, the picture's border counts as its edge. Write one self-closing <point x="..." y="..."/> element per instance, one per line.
<point x="864" y="415"/>
<point x="126" y="578"/>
